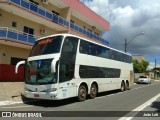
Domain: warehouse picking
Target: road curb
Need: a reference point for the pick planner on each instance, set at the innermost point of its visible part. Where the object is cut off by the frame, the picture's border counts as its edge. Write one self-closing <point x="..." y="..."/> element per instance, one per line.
<point x="8" y="102"/>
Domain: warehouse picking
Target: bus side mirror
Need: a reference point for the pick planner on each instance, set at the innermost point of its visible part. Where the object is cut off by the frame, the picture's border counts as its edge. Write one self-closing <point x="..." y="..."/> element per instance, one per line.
<point x="18" y="64"/>
<point x="53" y="65"/>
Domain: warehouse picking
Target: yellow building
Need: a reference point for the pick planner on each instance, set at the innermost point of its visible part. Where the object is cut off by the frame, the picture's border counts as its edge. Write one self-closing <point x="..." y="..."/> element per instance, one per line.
<point x="22" y="21"/>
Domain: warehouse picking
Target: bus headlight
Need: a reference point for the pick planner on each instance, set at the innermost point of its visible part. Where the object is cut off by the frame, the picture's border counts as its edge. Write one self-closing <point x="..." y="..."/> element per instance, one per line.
<point x="51" y="90"/>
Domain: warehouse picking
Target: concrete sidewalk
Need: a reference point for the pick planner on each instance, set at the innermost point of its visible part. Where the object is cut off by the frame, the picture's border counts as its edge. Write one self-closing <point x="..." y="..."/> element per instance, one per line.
<point x="11" y="92"/>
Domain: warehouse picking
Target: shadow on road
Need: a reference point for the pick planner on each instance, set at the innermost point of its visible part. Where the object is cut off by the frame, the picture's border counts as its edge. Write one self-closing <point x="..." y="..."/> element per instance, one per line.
<point x="108" y="93"/>
<point x="156" y="105"/>
<point x="57" y="103"/>
<point x="48" y="103"/>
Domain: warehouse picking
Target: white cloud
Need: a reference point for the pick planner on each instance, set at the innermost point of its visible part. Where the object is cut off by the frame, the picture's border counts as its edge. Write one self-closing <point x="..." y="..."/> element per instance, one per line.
<point x="129" y="18"/>
<point x="101" y="7"/>
<point x="152" y="65"/>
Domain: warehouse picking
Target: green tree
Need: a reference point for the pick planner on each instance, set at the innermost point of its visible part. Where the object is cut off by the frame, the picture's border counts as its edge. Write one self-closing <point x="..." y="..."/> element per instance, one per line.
<point x="139" y="67"/>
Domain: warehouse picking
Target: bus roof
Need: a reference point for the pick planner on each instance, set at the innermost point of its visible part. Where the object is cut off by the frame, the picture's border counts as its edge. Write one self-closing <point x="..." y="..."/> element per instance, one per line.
<point x="67" y="34"/>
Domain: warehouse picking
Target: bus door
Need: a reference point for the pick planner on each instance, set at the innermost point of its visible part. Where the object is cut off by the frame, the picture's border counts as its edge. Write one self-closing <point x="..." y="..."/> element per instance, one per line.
<point x="67" y="65"/>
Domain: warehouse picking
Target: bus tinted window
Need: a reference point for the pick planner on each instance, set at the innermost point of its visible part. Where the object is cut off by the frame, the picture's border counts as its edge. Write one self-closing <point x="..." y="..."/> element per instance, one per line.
<point x="100" y="51"/>
<point x="93" y="49"/>
<point x="47" y="46"/>
<point x="68" y="58"/>
<point x="98" y="72"/>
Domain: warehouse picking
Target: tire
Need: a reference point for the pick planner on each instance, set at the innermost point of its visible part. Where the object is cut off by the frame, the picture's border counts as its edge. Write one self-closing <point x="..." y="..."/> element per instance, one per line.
<point x="93" y="91"/>
<point x="149" y="82"/>
<point x="127" y="86"/>
<point x="122" y="87"/>
<point x="82" y="93"/>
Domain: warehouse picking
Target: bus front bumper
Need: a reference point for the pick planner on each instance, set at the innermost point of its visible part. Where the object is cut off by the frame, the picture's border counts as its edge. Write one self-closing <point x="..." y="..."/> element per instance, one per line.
<point x="42" y="95"/>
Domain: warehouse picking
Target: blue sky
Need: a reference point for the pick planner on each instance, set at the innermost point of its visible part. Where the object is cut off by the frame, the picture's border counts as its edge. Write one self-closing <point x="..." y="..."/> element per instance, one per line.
<point x="129" y="18"/>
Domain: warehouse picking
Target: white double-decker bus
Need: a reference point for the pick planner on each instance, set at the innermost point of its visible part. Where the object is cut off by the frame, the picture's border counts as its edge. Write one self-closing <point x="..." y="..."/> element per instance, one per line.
<point x="63" y="65"/>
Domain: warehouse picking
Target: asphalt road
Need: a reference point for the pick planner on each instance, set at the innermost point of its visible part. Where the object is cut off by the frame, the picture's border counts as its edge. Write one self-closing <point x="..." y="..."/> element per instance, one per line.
<point x="102" y="106"/>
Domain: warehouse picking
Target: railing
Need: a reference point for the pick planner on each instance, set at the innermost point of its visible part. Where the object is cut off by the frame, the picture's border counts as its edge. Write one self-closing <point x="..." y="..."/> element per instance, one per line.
<point x="40" y="11"/>
<point x="16" y="35"/>
<point x="55" y="18"/>
<point x="87" y="33"/>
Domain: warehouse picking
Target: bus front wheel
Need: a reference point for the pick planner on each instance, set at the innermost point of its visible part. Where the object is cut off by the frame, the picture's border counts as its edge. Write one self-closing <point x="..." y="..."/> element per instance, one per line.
<point x="93" y="91"/>
<point x="82" y="93"/>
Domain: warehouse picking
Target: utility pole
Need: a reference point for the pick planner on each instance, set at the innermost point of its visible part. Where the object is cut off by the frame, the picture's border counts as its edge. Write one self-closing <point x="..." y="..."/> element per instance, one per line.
<point x="155" y="68"/>
<point x="125" y="45"/>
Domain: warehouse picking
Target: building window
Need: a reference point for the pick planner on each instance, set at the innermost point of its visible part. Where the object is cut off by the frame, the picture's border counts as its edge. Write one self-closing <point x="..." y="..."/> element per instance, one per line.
<point x="71" y="21"/>
<point x="28" y="30"/>
<point x="14" y="24"/>
<point x="55" y="16"/>
<point x="90" y="30"/>
<point x="15" y="60"/>
<point x="54" y="12"/>
<point x="33" y="2"/>
<point x="96" y="34"/>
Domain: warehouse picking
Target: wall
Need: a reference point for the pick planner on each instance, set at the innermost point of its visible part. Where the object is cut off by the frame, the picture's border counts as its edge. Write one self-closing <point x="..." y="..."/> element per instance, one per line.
<point x="80" y="8"/>
<point x="21" y="22"/>
<point x="7" y="71"/>
<point x="11" y="51"/>
<point x="82" y="24"/>
<point x="49" y="6"/>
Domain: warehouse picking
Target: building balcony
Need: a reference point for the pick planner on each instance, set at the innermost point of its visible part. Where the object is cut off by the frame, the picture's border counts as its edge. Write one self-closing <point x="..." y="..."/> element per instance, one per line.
<point x="14" y="36"/>
<point x="34" y="12"/>
<point x="87" y="33"/>
<point x="40" y="11"/>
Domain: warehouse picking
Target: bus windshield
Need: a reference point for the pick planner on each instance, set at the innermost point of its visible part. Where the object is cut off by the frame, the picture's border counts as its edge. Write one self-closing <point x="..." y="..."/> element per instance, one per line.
<point x="47" y="46"/>
<point x="39" y="72"/>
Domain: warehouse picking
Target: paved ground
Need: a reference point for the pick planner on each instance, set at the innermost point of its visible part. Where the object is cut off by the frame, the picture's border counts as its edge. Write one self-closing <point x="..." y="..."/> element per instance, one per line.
<point x="110" y="101"/>
<point x="10" y="92"/>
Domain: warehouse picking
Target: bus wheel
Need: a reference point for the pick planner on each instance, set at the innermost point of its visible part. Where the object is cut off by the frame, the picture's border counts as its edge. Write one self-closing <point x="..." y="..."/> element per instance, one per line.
<point x="122" y="87"/>
<point x="127" y="85"/>
<point x="82" y="93"/>
<point x="93" y="91"/>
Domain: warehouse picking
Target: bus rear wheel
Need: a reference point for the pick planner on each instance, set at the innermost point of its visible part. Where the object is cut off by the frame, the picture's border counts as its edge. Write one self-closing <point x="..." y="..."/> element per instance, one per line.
<point x="93" y="91"/>
<point x="82" y="93"/>
<point x="127" y="85"/>
<point x="122" y="87"/>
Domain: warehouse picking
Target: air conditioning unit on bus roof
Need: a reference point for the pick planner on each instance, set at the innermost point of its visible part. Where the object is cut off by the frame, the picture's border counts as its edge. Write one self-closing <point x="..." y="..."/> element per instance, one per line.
<point x="45" y="1"/>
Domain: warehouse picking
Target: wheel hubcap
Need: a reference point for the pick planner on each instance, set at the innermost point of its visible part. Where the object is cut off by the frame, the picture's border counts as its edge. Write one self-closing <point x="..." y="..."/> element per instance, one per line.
<point x="93" y="91"/>
<point x="122" y="87"/>
<point x="127" y="86"/>
<point x="82" y="93"/>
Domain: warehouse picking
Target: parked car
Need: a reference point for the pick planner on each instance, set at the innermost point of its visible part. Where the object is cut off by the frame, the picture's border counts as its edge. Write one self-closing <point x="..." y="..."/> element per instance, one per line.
<point x="144" y="79"/>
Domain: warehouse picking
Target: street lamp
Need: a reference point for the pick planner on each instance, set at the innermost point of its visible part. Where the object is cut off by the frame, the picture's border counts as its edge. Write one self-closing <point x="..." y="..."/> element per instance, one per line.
<point x="126" y="43"/>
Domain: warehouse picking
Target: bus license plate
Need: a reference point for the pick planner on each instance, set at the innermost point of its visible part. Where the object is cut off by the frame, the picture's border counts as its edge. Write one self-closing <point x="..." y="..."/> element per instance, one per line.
<point x="36" y="95"/>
